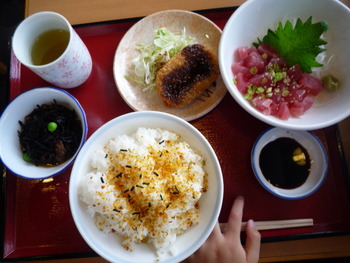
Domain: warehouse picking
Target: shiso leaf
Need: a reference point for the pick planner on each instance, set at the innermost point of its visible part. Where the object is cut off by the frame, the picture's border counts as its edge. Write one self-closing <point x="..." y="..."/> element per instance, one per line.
<point x="298" y="45"/>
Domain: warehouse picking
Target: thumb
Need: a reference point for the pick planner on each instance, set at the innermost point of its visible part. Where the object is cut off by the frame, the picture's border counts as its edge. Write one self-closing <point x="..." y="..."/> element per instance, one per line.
<point x="252" y="243"/>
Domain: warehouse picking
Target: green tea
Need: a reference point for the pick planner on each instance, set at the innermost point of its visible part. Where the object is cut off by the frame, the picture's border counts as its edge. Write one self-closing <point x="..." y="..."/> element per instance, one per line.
<point x="49" y="45"/>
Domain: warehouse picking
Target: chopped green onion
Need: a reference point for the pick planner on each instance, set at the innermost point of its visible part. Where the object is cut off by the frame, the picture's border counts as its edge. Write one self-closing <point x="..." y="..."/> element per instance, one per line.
<point x="260" y="90"/>
<point x="278" y="76"/>
<point x="264" y="56"/>
<point x="285" y="92"/>
<point x="253" y="70"/>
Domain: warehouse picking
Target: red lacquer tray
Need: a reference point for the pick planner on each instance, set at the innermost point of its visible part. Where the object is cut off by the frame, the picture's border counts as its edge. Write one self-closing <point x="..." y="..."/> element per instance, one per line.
<point x="38" y="221"/>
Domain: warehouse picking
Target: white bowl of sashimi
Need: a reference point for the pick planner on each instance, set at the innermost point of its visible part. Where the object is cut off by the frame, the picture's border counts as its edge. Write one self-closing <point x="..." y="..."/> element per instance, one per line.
<point x="286" y="62"/>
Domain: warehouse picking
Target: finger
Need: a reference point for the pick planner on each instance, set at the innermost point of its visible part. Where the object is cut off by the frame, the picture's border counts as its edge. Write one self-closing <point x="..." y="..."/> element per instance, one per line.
<point x="216" y="233"/>
<point x="235" y="218"/>
<point x="203" y="254"/>
<point x="252" y="242"/>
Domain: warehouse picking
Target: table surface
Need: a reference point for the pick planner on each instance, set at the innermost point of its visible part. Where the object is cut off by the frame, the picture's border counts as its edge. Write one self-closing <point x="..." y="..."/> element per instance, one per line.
<point x="107" y="10"/>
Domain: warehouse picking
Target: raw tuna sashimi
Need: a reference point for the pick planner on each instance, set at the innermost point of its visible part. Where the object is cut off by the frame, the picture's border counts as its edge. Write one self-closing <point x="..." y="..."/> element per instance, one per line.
<point x="272" y="87"/>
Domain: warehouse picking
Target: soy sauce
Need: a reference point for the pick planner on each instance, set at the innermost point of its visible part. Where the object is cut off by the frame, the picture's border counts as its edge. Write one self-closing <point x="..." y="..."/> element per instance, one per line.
<point x="285" y="163"/>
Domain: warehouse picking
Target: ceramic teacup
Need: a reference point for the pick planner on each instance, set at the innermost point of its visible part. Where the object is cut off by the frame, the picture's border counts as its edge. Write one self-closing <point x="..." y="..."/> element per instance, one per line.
<point x="70" y="67"/>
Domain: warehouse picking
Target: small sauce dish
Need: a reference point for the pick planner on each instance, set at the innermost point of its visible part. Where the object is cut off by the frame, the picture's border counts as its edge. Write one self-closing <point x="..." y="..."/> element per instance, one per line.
<point x="289" y="164"/>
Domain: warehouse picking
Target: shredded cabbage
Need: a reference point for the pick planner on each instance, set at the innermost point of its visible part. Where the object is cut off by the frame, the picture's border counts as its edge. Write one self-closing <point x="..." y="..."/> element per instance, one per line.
<point x="152" y="57"/>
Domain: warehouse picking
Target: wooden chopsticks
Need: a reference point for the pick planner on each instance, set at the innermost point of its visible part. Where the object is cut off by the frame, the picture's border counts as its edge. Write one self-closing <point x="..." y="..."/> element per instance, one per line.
<point x="275" y="224"/>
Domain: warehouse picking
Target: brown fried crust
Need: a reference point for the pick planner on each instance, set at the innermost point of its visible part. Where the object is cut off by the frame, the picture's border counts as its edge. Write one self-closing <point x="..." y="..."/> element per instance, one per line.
<point x="184" y="77"/>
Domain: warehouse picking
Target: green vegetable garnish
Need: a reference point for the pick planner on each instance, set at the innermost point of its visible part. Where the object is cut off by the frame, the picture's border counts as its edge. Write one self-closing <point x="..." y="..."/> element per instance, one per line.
<point x="26" y="157"/>
<point x="279" y="76"/>
<point x="52" y="126"/>
<point x="153" y="56"/>
<point x="253" y="70"/>
<point x="298" y="45"/>
<point x="253" y="90"/>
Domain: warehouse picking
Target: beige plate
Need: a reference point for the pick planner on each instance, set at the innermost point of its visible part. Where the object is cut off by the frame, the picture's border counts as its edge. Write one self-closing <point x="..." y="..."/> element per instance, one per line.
<point x="203" y="30"/>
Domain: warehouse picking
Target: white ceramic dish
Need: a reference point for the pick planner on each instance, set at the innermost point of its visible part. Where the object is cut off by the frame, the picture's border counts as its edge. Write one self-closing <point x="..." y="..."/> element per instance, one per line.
<point x="10" y="150"/>
<point x="314" y="147"/>
<point x="108" y="246"/>
<point x="197" y="26"/>
<point x="252" y="20"/>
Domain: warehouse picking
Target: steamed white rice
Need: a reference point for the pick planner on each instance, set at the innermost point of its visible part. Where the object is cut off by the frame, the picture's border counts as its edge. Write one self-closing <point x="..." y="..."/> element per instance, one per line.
<point x="145" y="187"/>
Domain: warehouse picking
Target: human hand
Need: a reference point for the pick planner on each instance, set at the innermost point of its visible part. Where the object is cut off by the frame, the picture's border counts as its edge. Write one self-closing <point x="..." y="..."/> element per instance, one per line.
<point x="227" y="247"/>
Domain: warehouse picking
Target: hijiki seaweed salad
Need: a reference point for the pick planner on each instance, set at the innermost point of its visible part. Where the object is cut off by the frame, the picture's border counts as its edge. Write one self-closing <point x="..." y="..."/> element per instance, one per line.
<point x="50" y="134"/>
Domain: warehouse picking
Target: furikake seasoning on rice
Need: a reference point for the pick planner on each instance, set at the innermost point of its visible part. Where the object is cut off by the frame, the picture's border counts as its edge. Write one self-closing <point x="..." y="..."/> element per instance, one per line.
<point x="145" y="187"/>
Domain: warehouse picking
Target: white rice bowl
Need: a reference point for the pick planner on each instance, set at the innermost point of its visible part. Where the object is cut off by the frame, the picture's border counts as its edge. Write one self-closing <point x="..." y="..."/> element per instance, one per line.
<point x="145" y="187"/>
<point x="92" y="163"/>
